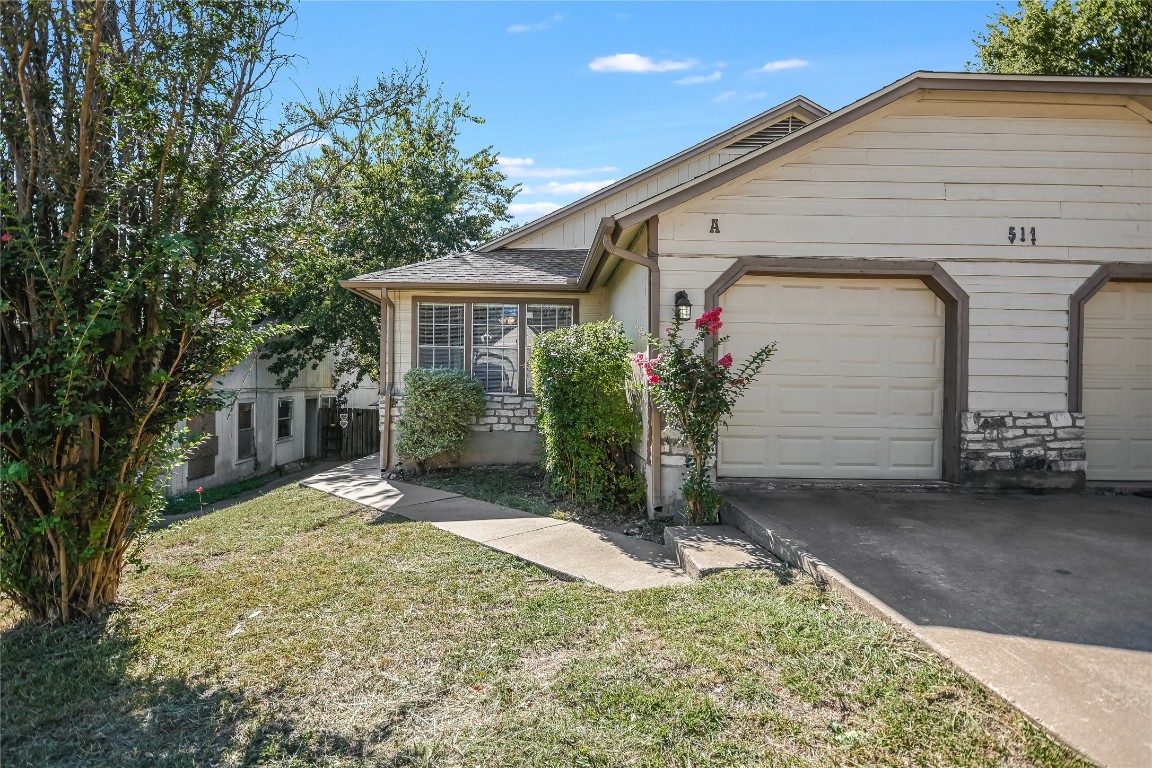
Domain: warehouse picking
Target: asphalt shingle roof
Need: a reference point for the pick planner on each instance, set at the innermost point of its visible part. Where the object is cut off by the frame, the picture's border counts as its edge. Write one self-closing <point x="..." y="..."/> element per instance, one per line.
<point x="505" y="266"/>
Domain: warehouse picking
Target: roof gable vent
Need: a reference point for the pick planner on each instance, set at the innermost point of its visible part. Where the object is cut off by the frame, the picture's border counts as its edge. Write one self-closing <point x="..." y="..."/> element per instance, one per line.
<point x="768" y="135"/>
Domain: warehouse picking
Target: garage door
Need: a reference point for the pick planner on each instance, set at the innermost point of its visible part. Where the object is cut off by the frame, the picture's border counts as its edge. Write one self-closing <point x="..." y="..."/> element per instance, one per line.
<point x="855" y="389"/>
<point x="1118" y="382"/>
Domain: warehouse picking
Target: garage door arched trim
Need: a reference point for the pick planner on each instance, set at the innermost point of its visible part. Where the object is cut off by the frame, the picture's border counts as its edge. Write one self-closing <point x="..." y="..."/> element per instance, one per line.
<point x="954" y="298"/>
<point x="1116" y="271"/>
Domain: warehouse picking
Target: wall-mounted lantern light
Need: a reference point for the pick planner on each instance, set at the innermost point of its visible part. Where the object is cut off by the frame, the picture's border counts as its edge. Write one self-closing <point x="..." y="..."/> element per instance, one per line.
<point x="683" y="306"/>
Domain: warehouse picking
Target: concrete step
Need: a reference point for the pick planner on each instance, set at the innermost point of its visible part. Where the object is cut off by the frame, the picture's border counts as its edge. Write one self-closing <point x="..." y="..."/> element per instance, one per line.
<point x="705" y="549"/>
<point x="785" y="549"/>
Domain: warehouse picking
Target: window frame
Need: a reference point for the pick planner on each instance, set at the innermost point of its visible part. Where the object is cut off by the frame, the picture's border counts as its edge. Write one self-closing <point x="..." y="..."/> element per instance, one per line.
<point x="469" y="301"/>
<point x="281" y="419"/>
<point x="252" y="411"/>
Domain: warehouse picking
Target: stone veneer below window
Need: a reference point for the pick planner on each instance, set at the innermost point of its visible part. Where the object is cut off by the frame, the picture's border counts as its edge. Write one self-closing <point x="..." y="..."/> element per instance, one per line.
<point x="502" y="413"/>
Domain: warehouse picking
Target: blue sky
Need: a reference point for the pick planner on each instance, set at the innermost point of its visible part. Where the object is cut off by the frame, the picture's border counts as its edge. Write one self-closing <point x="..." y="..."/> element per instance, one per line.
<point x="576" y="95"/>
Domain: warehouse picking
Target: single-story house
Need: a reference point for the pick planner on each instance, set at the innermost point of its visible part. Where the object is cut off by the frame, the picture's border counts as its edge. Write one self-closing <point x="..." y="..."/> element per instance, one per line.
<point x="957" y="270"/>
<point x="266" y="426"/>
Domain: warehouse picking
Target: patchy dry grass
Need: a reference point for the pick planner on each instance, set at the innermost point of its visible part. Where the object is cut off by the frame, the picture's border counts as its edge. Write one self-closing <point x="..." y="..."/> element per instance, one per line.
<point x="293" y="630"/>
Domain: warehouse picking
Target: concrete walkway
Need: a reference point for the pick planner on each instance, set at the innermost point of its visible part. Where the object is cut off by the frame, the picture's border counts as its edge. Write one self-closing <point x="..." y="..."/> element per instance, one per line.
<point x="1047" y="600"/>
<point x="612" y="560"/>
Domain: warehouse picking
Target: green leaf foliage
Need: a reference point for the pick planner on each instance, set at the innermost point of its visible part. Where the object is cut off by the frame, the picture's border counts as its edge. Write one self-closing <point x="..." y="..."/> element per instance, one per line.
<point x="439" y="408"/>
<point x="394" y="191"/>
<point x="581" y="376"/>
<point x="1088" y="37"/>
<point x="141" y="236"/>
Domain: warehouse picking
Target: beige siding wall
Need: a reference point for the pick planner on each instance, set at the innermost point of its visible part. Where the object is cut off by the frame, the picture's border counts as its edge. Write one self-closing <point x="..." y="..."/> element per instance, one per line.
<point x="942" y="179"/>
<point x="592" y="307"/>
<point x="626" y="298"/>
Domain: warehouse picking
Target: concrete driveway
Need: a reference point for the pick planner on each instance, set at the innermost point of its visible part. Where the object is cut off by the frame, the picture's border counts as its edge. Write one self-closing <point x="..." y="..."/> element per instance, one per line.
<point x="1047" y="599"/>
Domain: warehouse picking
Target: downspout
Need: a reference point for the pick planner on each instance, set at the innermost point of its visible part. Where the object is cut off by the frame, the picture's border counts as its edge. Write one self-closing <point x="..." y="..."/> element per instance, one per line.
<point x="651" y="262"/>
<point x="387" y="353"/>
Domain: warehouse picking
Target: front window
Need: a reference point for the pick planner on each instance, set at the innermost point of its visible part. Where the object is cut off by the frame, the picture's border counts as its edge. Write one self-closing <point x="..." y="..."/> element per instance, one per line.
<point x="440" y="342"/>
<point x="541" y="319"/>
<point x="490" y="340"/>
<point x="496" y="346"/>
<point x="283" y="418"/>
<point x="245" y="431"/>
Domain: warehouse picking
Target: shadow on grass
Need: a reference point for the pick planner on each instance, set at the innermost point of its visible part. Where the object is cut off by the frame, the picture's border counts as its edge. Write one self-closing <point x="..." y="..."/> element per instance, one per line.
<point x="76" y="696"/>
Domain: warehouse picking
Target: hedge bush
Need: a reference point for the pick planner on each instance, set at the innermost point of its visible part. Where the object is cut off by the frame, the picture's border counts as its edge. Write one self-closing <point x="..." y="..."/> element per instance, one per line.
<point x="439" y="407"/>
<point x="581" y="376"/>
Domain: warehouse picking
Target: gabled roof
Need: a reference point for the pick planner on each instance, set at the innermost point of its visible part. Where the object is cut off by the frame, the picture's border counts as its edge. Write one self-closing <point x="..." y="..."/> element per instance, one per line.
<point x="504" y="269"/>
<point x="810" y="109"/>
<point x="492" y="266"/>
<point x="1138" y="89"/>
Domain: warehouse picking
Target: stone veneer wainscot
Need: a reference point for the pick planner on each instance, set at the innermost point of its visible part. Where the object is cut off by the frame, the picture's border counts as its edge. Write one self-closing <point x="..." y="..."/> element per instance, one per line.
<point x="1022" y="448"/>
<point x="502" y="413"/>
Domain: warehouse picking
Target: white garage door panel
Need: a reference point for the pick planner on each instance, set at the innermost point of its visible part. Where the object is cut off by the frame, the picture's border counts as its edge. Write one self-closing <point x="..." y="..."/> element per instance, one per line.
<point x="855" y="388"/>
<point x="1118" y="382"/>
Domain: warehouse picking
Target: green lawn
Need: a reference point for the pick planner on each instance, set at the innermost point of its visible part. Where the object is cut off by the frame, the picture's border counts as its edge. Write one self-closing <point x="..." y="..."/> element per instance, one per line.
<point x="297" y="630"/>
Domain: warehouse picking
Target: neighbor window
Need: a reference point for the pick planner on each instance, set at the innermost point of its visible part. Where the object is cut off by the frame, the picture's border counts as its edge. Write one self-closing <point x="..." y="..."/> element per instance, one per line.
<point x="245" y="431"/>
<point x="488" y="339"/>
<point x="283" y="418"/>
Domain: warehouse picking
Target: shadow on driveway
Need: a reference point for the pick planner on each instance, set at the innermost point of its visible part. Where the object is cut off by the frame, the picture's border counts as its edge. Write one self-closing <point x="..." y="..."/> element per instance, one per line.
<point x="1047" y="599"/>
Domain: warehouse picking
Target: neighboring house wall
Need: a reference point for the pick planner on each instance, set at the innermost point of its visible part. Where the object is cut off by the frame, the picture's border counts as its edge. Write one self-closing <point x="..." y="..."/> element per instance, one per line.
<point x="255" y="386"/>
<point x="941" y="178"/>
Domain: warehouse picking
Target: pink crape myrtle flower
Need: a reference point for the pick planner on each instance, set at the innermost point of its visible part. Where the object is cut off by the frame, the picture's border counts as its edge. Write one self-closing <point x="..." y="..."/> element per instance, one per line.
<point x="7" y="237"/>
<point x="711" y="321"/>
<point x="725" y="362"/>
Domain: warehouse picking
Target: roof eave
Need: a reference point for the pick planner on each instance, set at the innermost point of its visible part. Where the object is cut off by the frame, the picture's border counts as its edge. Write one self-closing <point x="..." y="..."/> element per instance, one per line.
<point x="366" y="287"/>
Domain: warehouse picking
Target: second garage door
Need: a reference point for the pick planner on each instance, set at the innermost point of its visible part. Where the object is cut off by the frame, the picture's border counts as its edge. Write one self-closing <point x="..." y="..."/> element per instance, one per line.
<point x="1118" y="382"/>
<point x="855" y="389"/>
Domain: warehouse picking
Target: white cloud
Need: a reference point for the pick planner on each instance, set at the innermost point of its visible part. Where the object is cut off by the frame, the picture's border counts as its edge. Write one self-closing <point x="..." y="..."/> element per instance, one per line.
<point x="533" y="210"/>
<point x="515" y="162"/>
<point x="776" y="66"/>
<point x="696" y="79"/>
<point x="525" y="168"/>
<point x="568" y="187"/>
<point x="739" y="96"/>
<point x="538" y="26"/>
<point x="634" y="62"/>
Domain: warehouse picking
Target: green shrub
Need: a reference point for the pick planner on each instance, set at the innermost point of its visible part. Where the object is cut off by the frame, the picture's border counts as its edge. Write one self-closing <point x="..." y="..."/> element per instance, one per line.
<point x="439" y="406"/>
<point x="581" y="377"/>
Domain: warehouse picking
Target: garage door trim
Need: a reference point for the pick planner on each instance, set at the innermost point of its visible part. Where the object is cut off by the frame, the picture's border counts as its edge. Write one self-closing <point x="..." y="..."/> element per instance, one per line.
<point x="954" y="298"/>
<point x="1119" y="271"/>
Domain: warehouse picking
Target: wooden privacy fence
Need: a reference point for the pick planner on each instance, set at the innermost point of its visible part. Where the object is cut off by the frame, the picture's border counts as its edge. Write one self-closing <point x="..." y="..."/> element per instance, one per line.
<point x="359" y="437"/>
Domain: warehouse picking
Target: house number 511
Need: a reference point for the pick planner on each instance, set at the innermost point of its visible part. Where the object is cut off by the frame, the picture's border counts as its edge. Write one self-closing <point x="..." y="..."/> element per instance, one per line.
<point x="1031" y="233"/>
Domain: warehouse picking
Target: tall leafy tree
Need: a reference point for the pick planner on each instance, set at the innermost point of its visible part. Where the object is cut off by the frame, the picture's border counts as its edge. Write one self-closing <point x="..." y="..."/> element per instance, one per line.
<point x="140" y="236"/>
<point x="1085" y="37"/>
<point x="395" y="191"/>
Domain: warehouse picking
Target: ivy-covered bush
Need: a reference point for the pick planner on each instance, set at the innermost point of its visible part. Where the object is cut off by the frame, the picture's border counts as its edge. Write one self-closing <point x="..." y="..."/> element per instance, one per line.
<point x="581" y="378"/>
<point x="439" y="407"/>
